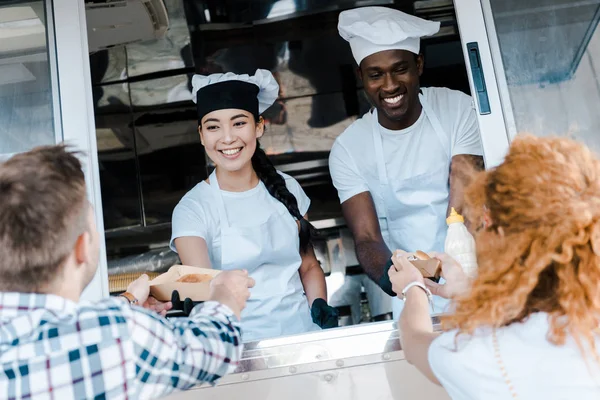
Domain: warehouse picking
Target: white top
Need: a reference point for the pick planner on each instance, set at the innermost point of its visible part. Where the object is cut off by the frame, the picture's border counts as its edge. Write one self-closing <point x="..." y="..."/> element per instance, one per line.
<point x="536" y="368"/>
<point x="197" y="213"/>
<point x="408" y="152"/>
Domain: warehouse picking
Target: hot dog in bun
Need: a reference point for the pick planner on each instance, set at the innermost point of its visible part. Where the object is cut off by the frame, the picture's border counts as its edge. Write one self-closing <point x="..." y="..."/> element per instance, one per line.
<point x="430" y="268"/>
<point x="195" y="278"/>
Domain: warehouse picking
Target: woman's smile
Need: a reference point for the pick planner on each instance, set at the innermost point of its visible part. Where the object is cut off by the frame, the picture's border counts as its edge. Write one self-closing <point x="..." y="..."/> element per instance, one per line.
<point x="231" y="153"/>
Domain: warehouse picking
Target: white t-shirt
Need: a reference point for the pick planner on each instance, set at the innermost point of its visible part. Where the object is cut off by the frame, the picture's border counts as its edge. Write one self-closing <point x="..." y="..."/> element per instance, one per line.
<point x="197" y="213"/>
<point x="407" y="152"/>
<point x="536" y="368"/>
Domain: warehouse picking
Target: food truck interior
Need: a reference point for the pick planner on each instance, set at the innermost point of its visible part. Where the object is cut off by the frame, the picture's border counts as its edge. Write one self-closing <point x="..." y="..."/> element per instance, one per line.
<point x="541" y="60"/>
<point x="149" y="151"/>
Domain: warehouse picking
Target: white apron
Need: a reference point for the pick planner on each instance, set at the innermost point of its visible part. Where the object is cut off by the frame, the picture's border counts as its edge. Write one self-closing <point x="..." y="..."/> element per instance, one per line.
<point x="270" y="252"/>
<point x="414" y="209"/>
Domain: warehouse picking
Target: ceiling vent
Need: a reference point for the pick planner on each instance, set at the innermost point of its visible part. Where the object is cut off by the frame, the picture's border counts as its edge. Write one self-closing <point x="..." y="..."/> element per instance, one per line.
<point x="113" y="23"/>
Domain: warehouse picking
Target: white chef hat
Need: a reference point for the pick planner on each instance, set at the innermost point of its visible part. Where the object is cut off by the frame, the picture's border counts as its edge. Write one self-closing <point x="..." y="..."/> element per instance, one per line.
<point x="221" y="91"/>
<point x="370" y="30"/>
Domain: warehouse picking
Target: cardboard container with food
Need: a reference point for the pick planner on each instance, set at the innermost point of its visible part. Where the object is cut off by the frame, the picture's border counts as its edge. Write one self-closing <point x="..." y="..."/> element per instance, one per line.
<point x="190" y="282"/>
<point x="430" y="268"/>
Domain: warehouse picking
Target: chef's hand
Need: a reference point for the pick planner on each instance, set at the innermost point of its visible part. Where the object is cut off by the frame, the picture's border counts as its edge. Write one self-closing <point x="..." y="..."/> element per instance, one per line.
<point x="323" y="314"/>
<point x="402" y="272"/>
<point x="231" y="288"/>
<point x="140" y="289"/>
<point x="384" y="282"/>
<point x="457" y="281"/>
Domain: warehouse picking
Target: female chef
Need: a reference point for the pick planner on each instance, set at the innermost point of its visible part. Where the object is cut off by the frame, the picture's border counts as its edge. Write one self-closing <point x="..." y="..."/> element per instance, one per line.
<point x="247" y="215"/>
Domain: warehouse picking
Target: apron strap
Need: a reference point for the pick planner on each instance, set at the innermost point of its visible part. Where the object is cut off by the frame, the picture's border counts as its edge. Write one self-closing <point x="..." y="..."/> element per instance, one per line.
<point x="214" y="184"/>
<point x="446" y="142"/>
<point x="383" y="178"/>
<point x="437" y="127"/>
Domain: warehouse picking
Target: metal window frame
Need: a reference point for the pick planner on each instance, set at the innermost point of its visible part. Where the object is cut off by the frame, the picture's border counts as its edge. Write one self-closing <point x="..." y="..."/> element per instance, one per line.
<point x="77" y="114"/>
<point x="494" y="127"/>
<point x="47" y="19"/>
<point x="494" y="44"/>
<point x="53" y="64"/>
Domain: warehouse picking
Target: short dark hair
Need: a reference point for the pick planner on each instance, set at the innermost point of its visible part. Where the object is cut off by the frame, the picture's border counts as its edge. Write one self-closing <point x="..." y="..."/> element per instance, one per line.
<point x="43" y="210"/>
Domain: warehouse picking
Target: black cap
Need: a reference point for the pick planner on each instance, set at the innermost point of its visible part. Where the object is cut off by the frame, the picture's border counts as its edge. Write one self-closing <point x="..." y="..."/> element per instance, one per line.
<point x="227" y="94"/>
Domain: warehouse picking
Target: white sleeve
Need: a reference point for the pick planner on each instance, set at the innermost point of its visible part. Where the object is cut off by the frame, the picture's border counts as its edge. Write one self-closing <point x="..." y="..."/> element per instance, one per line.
<point x="295" y="188"/>
<point x="466" y="136"/>
<point x="188" y="220"/>
<point x="345" y="175"/>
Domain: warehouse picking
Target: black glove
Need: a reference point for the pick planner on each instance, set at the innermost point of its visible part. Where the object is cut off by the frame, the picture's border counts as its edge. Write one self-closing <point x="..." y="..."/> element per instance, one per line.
<point x="186" y="306"/>
<point x="384" y="282"/>
<point x="323" y="314"/>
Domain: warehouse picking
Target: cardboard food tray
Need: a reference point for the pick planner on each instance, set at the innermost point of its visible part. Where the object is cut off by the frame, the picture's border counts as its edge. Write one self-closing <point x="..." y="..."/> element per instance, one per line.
<point x="163" y="285"/>
<point x="428" y="268"/>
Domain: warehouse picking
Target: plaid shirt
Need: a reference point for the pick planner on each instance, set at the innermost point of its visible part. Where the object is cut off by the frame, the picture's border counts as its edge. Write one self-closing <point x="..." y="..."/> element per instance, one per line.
<point x="53" y="348"/>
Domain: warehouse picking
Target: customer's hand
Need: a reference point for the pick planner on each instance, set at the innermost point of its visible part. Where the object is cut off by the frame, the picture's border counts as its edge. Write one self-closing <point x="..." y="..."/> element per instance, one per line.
<point x="140" y="289"/>
<point x="160" y="307"/>
<point x="457" y="281"/>
<point x="231" y="288"/>
<point x="403" y="272"/>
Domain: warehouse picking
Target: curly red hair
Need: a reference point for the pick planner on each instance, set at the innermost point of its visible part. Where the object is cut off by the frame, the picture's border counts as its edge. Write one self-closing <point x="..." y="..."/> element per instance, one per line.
<point x="542" y="251"/>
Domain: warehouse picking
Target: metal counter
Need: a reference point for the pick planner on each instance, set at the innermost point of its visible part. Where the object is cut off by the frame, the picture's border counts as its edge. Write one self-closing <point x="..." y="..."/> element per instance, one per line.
<point x="361" y="361"/>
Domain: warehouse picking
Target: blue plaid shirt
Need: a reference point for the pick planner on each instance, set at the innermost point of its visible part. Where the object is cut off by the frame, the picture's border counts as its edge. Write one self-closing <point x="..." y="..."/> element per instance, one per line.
<point x="53" y="348"/>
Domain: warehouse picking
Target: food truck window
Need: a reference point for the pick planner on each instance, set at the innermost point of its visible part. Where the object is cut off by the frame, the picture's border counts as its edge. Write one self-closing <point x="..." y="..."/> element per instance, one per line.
<point x="149" y="150"/>
<point x="148" y="147"/>
<point x="28" y="89"/>
<point x="550" y="51"/>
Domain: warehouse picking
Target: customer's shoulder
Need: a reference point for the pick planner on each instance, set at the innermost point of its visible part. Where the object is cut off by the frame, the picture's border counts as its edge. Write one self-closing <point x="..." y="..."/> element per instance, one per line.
<point x="457" y="359"/>
<point x="454" y="346"/>
<point x="108" y="306"/>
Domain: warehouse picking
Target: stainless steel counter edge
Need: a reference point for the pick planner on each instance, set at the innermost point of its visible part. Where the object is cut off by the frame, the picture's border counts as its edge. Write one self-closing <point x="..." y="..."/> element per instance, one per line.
<point x="319" y="351"/>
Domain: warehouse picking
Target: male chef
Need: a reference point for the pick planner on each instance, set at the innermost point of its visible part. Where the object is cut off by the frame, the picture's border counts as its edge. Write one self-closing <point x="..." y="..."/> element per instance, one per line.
<point x="392" y="167"/>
